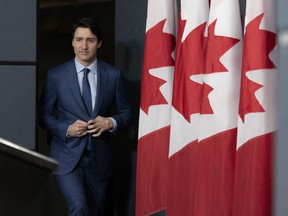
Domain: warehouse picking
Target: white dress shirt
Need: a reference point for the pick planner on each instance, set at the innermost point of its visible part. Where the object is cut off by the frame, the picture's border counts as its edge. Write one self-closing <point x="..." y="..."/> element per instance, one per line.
<point x="92" y="77"/>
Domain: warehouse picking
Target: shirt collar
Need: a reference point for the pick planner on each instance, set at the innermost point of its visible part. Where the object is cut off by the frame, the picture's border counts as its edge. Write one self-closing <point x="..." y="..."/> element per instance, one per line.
<point x="80" y="67"/>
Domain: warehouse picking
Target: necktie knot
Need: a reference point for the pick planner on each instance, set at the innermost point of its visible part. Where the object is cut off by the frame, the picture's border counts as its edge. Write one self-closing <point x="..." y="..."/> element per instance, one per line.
<point x="86" y="71"/>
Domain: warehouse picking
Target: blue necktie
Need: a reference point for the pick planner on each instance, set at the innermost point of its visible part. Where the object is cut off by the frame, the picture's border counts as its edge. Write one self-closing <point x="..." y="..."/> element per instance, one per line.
<point x="87" y="98"/>
<point x="86" y="92"/>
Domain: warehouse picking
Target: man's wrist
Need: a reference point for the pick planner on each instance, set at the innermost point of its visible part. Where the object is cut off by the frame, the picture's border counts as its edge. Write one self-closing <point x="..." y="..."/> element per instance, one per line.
<point x="67" y="132"/>
<point x="114" y="124"/>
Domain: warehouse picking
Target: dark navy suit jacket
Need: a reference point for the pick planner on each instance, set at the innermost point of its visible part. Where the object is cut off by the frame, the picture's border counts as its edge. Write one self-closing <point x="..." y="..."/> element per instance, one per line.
<point x="61" y="105"/>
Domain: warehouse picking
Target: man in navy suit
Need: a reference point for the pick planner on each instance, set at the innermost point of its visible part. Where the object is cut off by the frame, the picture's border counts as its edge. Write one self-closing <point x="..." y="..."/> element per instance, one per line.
<point x="81" y="131"/>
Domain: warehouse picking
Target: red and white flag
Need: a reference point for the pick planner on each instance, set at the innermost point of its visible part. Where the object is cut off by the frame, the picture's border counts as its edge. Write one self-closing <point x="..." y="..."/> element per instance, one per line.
<point x="256" y="125"/>
<point x="217" y="135"/>
<point x="186" y="104"/>
<point x="155" y="108"/>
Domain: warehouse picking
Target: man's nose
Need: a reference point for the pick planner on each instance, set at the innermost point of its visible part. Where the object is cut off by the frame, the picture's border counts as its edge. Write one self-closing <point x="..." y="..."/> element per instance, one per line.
<point x="84" y="45"/>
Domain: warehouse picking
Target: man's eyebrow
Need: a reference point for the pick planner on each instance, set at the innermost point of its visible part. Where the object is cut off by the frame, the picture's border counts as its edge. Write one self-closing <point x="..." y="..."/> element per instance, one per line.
<point x="88" y="38"/>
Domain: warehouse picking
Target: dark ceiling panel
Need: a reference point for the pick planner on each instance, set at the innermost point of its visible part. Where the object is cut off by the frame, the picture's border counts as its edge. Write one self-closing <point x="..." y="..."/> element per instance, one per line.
<point x="61" y="3"/>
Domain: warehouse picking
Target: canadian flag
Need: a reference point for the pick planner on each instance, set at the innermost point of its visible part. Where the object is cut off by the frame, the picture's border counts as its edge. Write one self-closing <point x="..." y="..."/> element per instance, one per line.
<point x="155" y="108"/>
<point x="256" y="125"/>
<point x="186" y="105"/>
<point x="217" y="135"/>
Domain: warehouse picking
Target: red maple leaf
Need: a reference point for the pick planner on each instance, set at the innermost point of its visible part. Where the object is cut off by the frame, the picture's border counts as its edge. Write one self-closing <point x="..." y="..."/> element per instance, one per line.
<point x="206" y="107"/>
<point x="217" y="46"/>
<point x="158" y="49"/>
<point x="258" y="44"/>
<point x="190" y="60"/>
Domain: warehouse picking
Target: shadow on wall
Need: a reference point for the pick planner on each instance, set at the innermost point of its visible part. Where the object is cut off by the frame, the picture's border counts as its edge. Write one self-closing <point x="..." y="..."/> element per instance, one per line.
<point x="129" y="57"/>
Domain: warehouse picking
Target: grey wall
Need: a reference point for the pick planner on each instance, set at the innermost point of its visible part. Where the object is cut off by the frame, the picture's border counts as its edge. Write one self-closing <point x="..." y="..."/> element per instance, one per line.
<point x="18" y="35"/>
<point x="281" y="158"/>
<point x="18" y="104"/>
<point x="18" y="42"/>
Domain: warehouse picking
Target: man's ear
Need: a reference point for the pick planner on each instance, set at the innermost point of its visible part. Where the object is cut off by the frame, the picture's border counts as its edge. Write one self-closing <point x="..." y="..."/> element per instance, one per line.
<point x="99" y="44"/>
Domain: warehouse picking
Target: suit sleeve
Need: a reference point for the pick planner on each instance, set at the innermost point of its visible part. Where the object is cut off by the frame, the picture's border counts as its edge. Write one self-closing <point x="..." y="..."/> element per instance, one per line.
<point x="47" y="109"/>
<point x="123" y="115"/>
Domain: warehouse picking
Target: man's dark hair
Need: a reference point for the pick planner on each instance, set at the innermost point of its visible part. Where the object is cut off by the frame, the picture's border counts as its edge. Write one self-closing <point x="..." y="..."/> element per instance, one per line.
<point x="88" y="22"/>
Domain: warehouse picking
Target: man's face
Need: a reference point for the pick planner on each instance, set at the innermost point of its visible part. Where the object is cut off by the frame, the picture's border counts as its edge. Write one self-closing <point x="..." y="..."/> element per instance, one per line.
<point x="85" y="45"/>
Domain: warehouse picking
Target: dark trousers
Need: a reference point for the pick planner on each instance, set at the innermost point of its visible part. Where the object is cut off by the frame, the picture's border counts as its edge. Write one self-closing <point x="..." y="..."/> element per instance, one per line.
<point x="85" y="195"/>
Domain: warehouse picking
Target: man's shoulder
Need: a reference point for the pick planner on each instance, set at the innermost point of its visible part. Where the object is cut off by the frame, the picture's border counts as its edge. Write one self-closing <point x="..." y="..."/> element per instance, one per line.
<point x="107" y="66"/>
<point x="67" y="64"/>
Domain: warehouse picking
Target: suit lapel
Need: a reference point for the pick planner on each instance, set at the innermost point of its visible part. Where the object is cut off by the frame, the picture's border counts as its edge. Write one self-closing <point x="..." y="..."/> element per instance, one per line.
<point x="72" y="78"/>
<point x="102" y="77"/>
